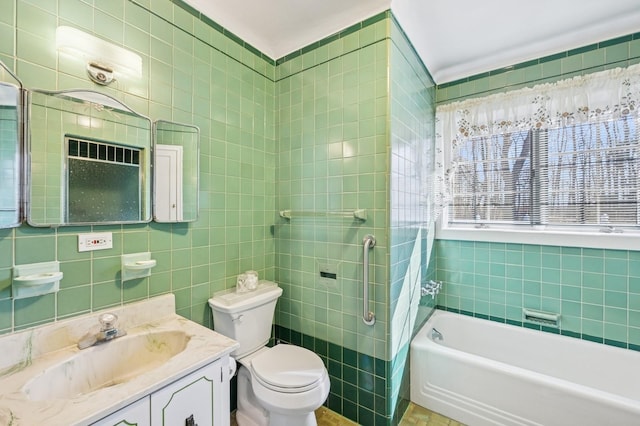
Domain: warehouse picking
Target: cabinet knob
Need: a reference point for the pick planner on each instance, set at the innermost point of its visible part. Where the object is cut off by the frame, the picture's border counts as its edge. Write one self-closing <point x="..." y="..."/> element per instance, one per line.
<point x="189" y="421"/>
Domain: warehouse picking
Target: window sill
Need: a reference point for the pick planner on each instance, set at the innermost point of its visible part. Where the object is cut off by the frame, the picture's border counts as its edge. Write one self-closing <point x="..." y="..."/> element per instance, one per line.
<point x="629" y="240"/>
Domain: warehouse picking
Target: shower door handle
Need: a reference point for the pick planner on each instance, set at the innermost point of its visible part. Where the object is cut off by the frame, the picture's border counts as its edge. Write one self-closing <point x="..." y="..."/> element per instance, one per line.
<point x="368" y="317"/>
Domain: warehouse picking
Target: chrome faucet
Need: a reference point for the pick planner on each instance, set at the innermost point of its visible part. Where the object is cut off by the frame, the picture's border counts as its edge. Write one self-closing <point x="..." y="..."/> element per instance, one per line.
<point x="432" y="288"/>
<point x="108" y="331"/>
<point x="436" y="335"/>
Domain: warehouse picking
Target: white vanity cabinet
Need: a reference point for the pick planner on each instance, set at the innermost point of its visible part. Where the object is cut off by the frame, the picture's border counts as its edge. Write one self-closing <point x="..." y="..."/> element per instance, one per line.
<point x="198" y="399"/>
<point x="136" y="414"/>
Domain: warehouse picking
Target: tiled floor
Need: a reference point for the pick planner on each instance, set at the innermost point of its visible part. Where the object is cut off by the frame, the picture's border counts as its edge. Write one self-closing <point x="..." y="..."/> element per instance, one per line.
<point x="419" y="416"/>
<point x="415" y="415"/>
<point x="326" y="417"/>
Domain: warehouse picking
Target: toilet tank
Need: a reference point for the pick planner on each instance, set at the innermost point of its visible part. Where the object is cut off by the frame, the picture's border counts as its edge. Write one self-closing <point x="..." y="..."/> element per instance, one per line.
<point x="246" y="317"/>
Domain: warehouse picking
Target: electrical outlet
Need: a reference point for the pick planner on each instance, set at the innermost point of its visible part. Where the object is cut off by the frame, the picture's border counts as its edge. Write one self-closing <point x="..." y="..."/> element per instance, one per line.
<point x="95" y="241"/>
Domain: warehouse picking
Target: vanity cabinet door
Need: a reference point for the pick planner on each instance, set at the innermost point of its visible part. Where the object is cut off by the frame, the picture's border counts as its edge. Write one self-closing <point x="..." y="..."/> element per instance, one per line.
<point x="194" y="400"/>
<point x="136" y="414"/>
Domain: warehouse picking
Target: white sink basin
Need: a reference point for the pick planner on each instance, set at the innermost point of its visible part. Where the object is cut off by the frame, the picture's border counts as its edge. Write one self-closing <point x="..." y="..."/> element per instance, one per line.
<point x="46" y="380"/>
<point x="106" y="364"/>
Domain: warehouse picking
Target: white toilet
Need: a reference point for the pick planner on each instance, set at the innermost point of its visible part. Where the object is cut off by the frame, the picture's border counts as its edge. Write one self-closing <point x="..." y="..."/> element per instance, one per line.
<point x="280" y="386"/>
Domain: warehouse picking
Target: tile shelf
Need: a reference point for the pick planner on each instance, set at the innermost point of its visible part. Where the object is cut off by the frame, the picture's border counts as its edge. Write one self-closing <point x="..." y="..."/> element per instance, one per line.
<point x="136" y="265"/>
<point x="38" y="279"/>
<point x="35" y="279"/>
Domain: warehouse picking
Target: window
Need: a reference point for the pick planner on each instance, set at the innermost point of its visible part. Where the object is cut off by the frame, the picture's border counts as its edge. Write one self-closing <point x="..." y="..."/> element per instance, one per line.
<point x="492" y="183"/>
<point x="584" y="174"/>
<point x="556" y="164"/>
<point x="104" y="182"/>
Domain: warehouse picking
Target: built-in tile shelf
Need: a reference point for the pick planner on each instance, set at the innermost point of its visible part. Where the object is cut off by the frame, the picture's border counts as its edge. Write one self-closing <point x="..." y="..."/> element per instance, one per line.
<point x="136" y="265"/>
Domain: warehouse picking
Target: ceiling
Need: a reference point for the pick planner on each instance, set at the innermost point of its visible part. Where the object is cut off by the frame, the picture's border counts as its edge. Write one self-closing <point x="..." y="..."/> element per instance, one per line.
<point x="455" y="38"/>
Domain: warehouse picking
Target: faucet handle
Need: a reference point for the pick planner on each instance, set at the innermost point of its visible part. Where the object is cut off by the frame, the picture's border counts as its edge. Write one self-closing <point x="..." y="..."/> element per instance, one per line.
<point x="432" y="288"/>
<point x="108" y="321"/>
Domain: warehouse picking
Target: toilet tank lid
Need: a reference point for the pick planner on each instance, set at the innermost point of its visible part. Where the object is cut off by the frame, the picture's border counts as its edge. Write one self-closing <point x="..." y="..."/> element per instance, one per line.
<point x="231" y="301"/>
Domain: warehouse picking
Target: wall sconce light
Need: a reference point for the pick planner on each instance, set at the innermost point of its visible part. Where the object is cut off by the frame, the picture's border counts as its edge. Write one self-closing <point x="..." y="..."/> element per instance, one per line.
<point x="104" y="60"/>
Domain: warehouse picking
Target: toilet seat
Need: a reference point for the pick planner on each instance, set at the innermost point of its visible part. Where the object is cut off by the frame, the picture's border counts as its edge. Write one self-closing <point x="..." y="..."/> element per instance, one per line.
<point x="288" y="369"/>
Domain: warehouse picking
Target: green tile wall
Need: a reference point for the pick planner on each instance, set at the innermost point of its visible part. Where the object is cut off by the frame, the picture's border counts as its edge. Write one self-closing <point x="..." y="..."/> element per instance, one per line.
<point x="332" y="101"/>
<point x="412" y="164"/>
<point x="194" y="73"/>
<point x="353" y="136"/>
<point x="595" y="291"/>
<point x="332" y="156"/>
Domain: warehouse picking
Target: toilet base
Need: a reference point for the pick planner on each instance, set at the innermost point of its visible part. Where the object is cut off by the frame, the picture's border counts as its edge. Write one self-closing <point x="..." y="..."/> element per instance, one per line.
<point x="251" y="413"/>
<point x="243" y="420"/>
<point x="308" y="419"/>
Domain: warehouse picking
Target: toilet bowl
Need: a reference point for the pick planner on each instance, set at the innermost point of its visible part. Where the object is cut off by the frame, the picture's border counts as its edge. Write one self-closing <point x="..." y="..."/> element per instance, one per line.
<point x="281" y="385"/>
<point x="289" y="383"/>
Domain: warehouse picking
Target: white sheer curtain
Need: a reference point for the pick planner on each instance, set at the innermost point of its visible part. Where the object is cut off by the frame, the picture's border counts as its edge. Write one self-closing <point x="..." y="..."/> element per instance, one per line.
<point x="603" y="95"/>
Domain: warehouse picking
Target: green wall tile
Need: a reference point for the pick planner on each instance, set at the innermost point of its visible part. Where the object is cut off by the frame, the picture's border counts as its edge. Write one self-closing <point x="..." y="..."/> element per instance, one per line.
<point x="34" y="249"/>
<point x="74" y="301"/>
<point x="33" y="311"/>
<point x="35" y="20"/>
<point x="115" y="7"/>
<point x="616" y="53"/>
<point x="6" y="251"/>
<point x="5" y="283"/>
<point x="6" y="319"/>
<point x="77" y="273"/>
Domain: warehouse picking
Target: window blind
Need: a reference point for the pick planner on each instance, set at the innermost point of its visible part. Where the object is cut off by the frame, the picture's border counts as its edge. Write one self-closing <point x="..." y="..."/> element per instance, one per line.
<point x="576" y="174"/>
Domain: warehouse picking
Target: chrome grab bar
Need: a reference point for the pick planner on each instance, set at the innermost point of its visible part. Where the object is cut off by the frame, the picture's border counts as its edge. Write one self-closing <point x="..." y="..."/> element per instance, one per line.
<point x="368" y="317"/>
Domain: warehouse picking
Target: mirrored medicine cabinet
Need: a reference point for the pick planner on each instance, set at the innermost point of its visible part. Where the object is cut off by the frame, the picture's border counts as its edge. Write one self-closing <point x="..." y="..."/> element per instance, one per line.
<point x="176" y="172"/>
<point x="89" y="159"/>
<point x="11" y="137"/>
<point x="88" y="162"/>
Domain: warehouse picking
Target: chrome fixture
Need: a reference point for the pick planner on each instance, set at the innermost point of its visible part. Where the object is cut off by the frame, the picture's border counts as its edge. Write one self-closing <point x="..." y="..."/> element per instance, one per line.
<point x="436" y="335"/>
<point x="360" y="214"/>
<point x="550" y="319"/>
<point x="431" y="288"/>
<point x="368" y="316"/>
<point x="104" y="60"/>
<point x="108" y="331"/>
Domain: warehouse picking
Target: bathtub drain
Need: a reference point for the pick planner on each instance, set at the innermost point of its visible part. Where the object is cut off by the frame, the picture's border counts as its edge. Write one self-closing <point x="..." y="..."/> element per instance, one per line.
<point x="436" y="335"/>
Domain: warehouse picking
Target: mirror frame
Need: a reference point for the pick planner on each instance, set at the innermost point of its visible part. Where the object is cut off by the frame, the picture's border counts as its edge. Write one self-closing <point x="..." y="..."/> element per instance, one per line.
<point x="97" y="100"/>
<point x="19" y="145"/>
<point x="197" y="171"/>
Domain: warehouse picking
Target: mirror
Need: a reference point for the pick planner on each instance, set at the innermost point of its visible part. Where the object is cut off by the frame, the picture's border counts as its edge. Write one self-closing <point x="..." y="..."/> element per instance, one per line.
<point x="176" y="172"/>
<point x="11" y="132"/>
<point x="89" y="160"/>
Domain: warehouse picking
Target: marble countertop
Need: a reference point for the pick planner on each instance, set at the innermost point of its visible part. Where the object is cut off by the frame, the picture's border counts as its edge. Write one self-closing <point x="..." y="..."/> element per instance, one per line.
<point x="30" y="353"/>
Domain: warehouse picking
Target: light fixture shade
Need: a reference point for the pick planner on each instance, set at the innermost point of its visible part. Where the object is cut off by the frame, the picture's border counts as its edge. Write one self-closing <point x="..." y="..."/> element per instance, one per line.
<point x="96" y="50"/>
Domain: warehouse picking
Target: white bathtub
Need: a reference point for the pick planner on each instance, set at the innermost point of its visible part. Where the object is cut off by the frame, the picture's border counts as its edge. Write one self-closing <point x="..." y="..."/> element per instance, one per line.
<point x="487" y="373"/>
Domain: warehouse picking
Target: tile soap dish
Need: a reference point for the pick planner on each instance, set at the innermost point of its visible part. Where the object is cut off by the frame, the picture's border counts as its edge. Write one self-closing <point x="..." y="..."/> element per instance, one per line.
<point x="136" y="265"/>
<point x="141" y="264"/>
<point x="36" y="279"/>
